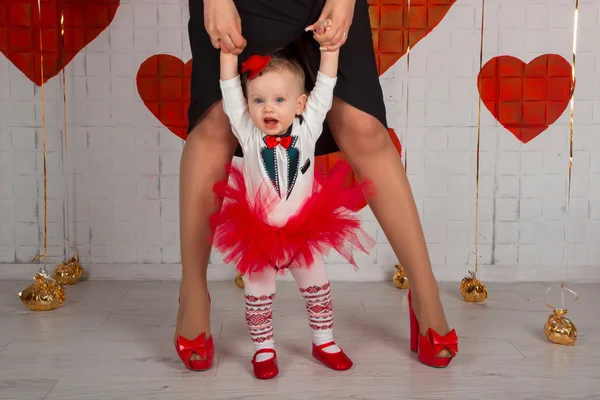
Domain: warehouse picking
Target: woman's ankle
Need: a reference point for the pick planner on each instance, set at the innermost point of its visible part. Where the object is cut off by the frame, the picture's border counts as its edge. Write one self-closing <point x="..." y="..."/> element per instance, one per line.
<point x="424" y="286"/>
<point x="430" y="313"/>
<point x="193" y="317"/>
<point x="193" y="285"/>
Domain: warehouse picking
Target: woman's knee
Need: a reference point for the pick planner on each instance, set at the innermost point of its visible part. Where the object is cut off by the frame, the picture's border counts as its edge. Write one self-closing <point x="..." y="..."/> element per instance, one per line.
<point x="356" y="132"/>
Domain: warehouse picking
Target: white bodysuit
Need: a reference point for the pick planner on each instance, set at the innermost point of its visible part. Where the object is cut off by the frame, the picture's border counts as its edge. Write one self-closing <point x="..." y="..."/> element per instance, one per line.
<point x="290" y="171"/>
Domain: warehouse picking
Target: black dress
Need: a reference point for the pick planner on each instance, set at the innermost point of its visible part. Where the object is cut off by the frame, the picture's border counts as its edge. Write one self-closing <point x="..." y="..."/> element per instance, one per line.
<point x="269" y="25"/>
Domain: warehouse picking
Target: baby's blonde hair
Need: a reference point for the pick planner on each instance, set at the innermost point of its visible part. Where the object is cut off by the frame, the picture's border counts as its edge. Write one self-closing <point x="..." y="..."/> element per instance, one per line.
<point x="282" y="61"/>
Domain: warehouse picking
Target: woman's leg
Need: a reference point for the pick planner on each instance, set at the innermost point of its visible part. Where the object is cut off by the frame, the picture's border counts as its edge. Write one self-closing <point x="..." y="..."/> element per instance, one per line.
<point x="209" y="147"/>
<point x="368" y="148"/>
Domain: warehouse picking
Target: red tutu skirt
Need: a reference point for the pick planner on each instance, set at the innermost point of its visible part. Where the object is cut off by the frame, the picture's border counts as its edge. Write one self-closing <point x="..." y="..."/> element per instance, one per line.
<point x="323" y="222"/>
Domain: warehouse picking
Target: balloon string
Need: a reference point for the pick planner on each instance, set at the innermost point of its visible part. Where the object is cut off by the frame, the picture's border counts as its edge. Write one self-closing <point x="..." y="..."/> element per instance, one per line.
<point x="478" y="146"/>
<point x="44" y="254"/>
<point x="64" y="136"/>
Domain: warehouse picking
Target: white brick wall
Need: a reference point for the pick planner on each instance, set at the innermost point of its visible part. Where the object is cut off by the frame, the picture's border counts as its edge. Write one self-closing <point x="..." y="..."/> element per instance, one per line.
<point x="123" y="164"/>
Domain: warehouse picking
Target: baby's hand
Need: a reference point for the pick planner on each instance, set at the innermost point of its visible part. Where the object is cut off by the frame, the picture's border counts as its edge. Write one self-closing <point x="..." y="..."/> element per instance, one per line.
<point x="319" y="31"/>
<point x="324" y="26"/>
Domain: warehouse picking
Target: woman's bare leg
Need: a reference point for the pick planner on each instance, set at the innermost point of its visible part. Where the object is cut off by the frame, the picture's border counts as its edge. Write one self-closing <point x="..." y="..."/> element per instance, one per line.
<point x="368" y="148"/>
<point x="209" y="147"/>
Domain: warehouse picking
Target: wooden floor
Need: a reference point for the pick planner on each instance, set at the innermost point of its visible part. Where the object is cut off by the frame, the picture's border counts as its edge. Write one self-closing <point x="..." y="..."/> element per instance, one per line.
<point x="113" y="340"/>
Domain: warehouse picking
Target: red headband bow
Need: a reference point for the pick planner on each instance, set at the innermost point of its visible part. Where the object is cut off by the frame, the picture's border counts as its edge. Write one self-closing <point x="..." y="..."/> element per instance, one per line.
<point x="255" y="64"/>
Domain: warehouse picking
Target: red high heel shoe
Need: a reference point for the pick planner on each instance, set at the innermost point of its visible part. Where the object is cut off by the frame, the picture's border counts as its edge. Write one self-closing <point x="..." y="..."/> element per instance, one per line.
<point x="429" y="347"/>
<point x="202" y="347"/>
<point x="265" y="369"/>
<point x="337" y="361"/>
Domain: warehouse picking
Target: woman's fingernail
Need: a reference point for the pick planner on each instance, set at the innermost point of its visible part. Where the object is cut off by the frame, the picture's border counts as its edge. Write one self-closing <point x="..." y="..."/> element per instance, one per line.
<point x="322" y="48"/>
<point x="307" y="29"/>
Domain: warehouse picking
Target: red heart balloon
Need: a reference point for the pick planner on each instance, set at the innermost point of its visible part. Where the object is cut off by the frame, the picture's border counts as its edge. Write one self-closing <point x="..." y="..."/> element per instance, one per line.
<point x="396" y="24"/>
<point x="526" y="98"/>
<point x="163" y="82"/>
<point x="20" y="26"/>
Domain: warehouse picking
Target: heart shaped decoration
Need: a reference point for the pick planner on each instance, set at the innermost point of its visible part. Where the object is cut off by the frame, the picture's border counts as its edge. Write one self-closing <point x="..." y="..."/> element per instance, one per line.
<point x="163" y="82"/>
<point x="526" y="98"/>
<point x="20" y="28"/>
<point x="398" y="24"/>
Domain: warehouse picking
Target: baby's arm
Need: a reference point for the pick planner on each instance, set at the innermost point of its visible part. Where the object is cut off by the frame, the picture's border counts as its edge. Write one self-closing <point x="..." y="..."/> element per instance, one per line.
<point x="234" y="102"/>
<point x="329" y="63"/>
<point x="321" y="97"/>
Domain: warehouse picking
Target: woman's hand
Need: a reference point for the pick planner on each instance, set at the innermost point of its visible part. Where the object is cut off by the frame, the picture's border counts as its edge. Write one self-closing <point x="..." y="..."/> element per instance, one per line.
<point x="332" y="35"/>
<point x="224" y="26"/>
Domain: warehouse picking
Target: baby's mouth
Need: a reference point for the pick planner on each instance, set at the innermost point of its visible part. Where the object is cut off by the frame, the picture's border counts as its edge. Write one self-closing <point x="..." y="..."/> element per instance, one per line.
<point x="270" y="123"/>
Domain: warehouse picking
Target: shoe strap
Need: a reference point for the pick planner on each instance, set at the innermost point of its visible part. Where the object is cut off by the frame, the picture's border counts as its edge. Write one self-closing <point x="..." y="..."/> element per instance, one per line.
<point x="261" y="351"/>
<point x="199" y="341"/>
<point x="325" y="345"/>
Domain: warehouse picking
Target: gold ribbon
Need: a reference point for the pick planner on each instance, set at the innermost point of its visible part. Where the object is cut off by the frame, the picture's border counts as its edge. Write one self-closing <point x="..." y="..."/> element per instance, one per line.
<point x="64" y="79"/>
<point x="64" y="137"/>
<point x="571" y="124"/>
<point x="562" y="295"/>
<point x="572" y="111"/>
<point x="44" y="254"/>
<point x="478" y="147"/>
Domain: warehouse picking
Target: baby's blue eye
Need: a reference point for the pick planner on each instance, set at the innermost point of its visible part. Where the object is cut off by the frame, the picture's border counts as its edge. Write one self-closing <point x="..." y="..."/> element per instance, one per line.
<point x="280" y="100"/>
<point x="258" y="101"/>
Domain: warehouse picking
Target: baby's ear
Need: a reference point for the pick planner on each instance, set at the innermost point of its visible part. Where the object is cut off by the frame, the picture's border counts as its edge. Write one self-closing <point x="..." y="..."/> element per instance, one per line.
<point x="301" y="104"/>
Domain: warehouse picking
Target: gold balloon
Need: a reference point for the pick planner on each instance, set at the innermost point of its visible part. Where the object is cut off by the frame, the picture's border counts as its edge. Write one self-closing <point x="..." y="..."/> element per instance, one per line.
<point x="399" y="279"/>
<point x="472" y="289"/>
<point x="68" y="272"/>
<point x="43" y="295"/>
<point x="559" y="329"/>
<point x="239" y="280"/>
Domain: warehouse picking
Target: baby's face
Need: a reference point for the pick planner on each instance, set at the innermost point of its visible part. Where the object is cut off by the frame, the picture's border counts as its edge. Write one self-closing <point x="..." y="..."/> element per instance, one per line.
<point x="274" y="99"/>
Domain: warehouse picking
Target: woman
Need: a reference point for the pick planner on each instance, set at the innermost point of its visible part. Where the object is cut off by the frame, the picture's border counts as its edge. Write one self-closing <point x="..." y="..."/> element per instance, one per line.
<point x="356" y="124"/>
